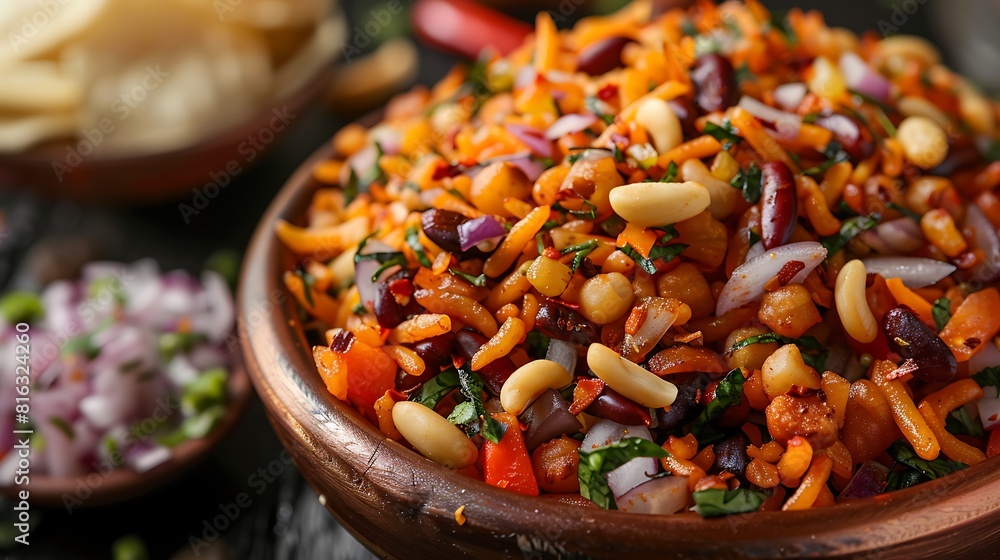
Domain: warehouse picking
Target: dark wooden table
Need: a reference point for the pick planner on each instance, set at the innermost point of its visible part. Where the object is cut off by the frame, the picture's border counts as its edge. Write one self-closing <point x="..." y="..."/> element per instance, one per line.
<point x="283" y="518"/>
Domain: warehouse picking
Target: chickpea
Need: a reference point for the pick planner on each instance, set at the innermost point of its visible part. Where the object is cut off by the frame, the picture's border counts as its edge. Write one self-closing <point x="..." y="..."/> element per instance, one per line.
<point x="752" y="356"/>
<point x="687" y="284"/>
<point x="606" y="297"/>
<point x="555" y="464"/>
<point x="785" y="368"/>
<point x="924" y="141"/>
<point x="496" y="183"/>
<point x="789" y="311"/>
<point x="806" y="417"/>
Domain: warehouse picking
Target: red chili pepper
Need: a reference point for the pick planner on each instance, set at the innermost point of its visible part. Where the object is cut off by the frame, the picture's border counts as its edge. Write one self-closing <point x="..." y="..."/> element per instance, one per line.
<point x="608" y="92"/>
<point x="584" y="393"/>
<point x="466" y="28"/>
<point x="507" y="464"/>
<point x="993" y="447"/>
<point x="789" y="271"/>
<point x="401" y="287"/>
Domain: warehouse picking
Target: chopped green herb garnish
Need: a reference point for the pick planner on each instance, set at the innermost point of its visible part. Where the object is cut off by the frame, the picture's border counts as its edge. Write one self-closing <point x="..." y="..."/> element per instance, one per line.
<point x="904" y="454"/>
<point x="725" y="133"/>
<point x="538" y="344"/>
<point x="413" y="240"/>
<point x="478" y="281"/>
<point x="814" y="354"/>
<point x="308" y="281"/>
<point x="597" y="463"/>
<point x="904" y="211"/>
<point x="471" y="386"/>
<point x="21" y="307"/>
<point x="436" y="388"/>
<point x="848" y="231"/>
<point x="671" y="174"/>
<point x="941" y="311"/>
<point x="666" y="253"/>
<point x="716" y="502"/>
<point x="728" y="393"/>
<point x="581" y="250"/>
<point x="834" y="154"/>
<point x="748" y="182"/>
<point x="960" y="423"/>
<point x="593" y="105"/>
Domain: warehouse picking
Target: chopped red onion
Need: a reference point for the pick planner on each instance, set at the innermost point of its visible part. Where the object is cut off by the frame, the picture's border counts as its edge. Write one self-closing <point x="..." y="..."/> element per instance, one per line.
<point x="901" y="236"/>
<point x="790" y="96"/>
<point x="547" y="418"/>
<point x="525" y="77"/>
<point x="659" y="496"/>
<point x="989" y="412"/>
<point x="915" y="272"/>
<point x="636" y="471"/>
<point x="660" y="316"/>
<point x="787" y="124"/>
<point x="563" y="353"/>
<point x="748" y="280"/>
<point x="388" y="138"/>
<point x="478" y="230"/>
<point x="862" y="78"/>
<point x="987" y="240"/>
<point x="533" y="138"/>
<point x="867" y="482"/>
<point x="531" y="168"/>
<point x="366" y="268"/>
<point x="988" y="356"/>
<point x="569" y="124"/>
<point x="147" y="459"/>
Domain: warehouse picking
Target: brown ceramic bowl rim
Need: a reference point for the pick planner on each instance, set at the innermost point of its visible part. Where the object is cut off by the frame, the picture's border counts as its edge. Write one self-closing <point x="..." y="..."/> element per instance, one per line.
<point x="328" y="434"/>
<point x="98" y="489"/>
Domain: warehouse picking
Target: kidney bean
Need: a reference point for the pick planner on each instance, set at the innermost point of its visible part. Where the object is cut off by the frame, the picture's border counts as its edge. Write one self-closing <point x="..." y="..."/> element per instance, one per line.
<point x="778" y="210"/>
<point x="731" y="455"/>
<point x="714" y="81"/>
<point x="852" y="136"/>
<point x="467" y="342"/>
<point x="733" y="416"/>
<point x="556" y="321"/>
<point x="441" y="226"/>
<point x="686" y="113"/>
<point x="612" y="405"/>
<point x="435" y="352"/>
<point x="406" y="382"/>
<point x="602" y="56"/>
<point x="909" y="337"/>
<point x="961" y="155"/>
<point x="387" y="310"/>
<point x="686" y="406"/>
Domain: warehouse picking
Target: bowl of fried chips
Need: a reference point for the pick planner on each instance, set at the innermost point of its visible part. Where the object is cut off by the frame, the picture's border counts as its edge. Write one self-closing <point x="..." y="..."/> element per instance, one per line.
<point x="140" y="100"/>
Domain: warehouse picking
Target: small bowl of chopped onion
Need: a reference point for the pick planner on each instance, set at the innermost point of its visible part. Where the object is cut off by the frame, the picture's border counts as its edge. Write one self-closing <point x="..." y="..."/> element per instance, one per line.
<point x="115" y="383"/>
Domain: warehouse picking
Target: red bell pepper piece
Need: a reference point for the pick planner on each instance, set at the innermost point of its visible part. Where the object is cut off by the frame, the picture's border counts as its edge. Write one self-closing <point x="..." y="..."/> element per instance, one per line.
<point x="507" y="464"/>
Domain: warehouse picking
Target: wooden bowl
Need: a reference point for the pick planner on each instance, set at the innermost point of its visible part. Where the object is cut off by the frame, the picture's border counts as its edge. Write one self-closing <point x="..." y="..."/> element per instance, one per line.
<point x="98" y="489"/>
<point x="402" y="505"/>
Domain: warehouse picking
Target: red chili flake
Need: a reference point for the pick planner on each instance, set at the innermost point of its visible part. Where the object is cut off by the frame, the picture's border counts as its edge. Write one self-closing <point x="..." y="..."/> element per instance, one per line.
<point x="444" y="170"/>
<point x="972" y="342"/>
<point x="968" y="259"/>
<point x="608" y="92"/>
<point x="564" y="303"/>
<point x="401" y="287"/>
<point x="635" y="319"/>
<point x="789" y="271"/>
<point x="908" y="367"/>
<point x="797" y="391"/>
<point x="992" y="418"/>
<point x="552" y="253"/>
<point x="457" y="361"/>
<point x="342" y="342"/>
<point x="584" y="394"/>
